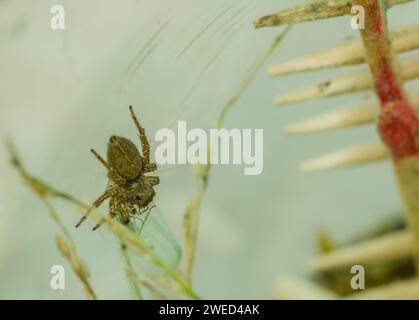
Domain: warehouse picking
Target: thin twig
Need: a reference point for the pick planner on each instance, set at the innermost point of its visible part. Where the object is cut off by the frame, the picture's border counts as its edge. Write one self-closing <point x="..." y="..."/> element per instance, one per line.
<point x="70" y="254"/>
<point x="314" y="10"/>
<point x="66" y="245"/>
<point x="191" y="216"/>
<point x="140" y="280"/>
<point x="128" y="268"/>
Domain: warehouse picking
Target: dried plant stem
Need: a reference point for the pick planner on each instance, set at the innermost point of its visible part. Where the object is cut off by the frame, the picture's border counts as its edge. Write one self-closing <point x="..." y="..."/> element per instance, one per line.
<point x="126" y="236"/>
<point x="398" y="124"/>
<point x="138" y="246"/>
<point x="136" y="278"/>
<point x="70" y="254"/>
<point x="128" y="268"/>
<point x="191" y="216"/>
<point x="190" y="220"/>
<point x="66" y="245"/>
<point x="67" y="248"/>
<point x="315" y="10"/>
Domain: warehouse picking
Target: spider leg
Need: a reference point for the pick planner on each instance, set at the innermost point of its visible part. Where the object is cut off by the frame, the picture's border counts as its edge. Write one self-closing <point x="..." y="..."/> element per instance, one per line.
<point x="97" y="226"/>
<point x="138" y="218"/>
<point x="149" y="167"/>
<point x="148" y="210"/>
<point x="97" y="203"/>
<point x="124" y="214"/>
<point x="145" y="146"/>
<point x="143" y="221"/>
<point x="115" y="176"/>
<point x="154" y="180"/>
<point x="101" y="160"/>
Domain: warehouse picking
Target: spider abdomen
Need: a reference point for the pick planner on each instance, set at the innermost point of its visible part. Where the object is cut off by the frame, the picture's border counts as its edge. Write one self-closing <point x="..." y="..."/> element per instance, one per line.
<point x="124" y="157"/>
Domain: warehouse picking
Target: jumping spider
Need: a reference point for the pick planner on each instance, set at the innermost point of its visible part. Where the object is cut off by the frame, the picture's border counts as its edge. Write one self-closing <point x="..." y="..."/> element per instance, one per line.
<point x="130" y="190"/>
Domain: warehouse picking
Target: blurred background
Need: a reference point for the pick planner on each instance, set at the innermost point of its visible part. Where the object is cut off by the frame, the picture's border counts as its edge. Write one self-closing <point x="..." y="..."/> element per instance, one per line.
<point x="65" y="91"/>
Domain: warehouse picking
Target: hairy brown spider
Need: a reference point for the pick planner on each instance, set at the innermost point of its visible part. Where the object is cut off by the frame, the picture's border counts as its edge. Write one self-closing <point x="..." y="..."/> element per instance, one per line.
<point x="129" y="190"/>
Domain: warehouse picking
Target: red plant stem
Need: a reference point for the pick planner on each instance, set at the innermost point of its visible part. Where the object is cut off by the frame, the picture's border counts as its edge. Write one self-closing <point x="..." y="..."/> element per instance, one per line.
<point x="398" y="124"/>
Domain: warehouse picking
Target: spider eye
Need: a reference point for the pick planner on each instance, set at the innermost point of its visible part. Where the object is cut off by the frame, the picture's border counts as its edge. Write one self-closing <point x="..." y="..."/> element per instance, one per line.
<point x="138" y="198"/>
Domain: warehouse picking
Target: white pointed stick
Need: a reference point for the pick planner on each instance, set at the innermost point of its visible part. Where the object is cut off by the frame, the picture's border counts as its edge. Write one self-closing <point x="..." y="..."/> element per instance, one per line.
<point x="352" y="53"/>
<point x="365" y="113"/>
<point x="391" y="246"/>
<point x="346" y="84"/>
<point x="400" y="290"/>
<point x="347" y="157"/>
<point x="289" y="287"/>
<point x="348" y="117"/>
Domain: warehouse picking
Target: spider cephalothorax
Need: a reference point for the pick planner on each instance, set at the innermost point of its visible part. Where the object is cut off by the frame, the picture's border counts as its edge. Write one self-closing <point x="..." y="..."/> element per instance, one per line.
<point x="130" y="189"/>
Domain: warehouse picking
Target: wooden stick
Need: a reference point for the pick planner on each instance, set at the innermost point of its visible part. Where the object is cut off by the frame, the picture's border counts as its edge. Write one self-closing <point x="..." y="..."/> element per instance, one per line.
<point x="395" y="245"/>
<point x="356" y="155"/>
<point x="362" y="114"/>
<point x="315" y="10"/>
<point x="406" y="290"/>
<point x="350" y="83"/>
<point x="295" y="288"/>
<point x="352" y="53"/>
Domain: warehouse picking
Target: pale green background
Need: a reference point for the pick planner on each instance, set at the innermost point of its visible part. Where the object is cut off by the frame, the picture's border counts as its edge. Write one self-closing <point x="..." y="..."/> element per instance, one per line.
<point x="63" y="92"/>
